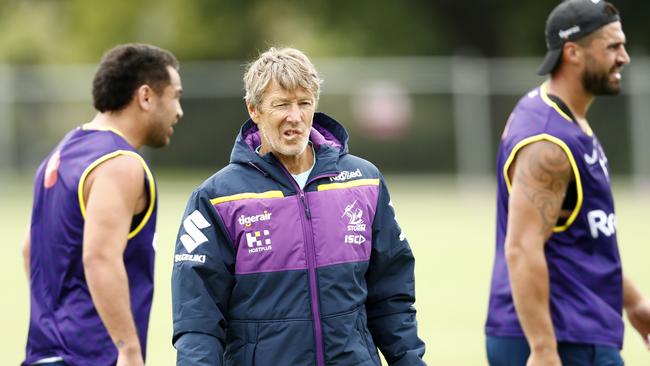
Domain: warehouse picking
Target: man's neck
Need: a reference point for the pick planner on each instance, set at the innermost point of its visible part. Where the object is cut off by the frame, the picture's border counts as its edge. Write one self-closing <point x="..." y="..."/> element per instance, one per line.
<point x="572" y="94"/>
<point x="295" y="164"/>
<point x="576" y="98"/>
<point x="120" y="121"/>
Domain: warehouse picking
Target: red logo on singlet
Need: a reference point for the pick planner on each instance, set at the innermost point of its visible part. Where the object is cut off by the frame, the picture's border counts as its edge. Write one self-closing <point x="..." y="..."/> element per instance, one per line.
<point x="52" y="170"/>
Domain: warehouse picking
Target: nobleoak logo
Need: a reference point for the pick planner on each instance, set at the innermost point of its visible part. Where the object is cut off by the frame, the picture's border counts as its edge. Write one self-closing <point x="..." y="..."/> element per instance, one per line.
<point x="346" y="175"/>
<point x="248" y="220"/>
<point x="259" y="241"/>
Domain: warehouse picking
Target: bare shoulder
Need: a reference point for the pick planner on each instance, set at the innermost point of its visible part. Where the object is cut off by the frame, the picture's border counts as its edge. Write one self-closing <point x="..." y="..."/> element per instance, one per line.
<point x="541" y="176"/>
<point x="123" y="174"/>
<point x="121" y="167"/>
<point x="544" y="162"/>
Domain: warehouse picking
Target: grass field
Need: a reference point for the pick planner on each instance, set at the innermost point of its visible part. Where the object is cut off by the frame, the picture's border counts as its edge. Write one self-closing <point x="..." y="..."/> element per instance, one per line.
<point x="451" y="232"/>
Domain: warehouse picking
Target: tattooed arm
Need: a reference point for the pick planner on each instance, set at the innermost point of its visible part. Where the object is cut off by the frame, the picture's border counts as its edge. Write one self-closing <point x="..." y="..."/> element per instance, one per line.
<point x="540" y="177"/>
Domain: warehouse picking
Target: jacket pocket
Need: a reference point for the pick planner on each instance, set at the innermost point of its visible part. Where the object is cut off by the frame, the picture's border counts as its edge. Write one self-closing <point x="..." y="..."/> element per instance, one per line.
<point x="270" y="343"/>
<point x="345" y="341"/>
<point x="364" y="333"/>
<point x="241" y="344"/>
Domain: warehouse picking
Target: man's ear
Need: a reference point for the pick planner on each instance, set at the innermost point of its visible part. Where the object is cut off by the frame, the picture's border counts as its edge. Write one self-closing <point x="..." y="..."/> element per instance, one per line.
<point x="252" y="112"/>
<point x="572" y="53"/>
<point x="143" y="96"/>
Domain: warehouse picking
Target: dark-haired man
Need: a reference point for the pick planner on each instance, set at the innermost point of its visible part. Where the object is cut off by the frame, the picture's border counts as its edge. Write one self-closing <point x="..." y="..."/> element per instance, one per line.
<point x="90" y="250"/>
<point x="558" y="289"/>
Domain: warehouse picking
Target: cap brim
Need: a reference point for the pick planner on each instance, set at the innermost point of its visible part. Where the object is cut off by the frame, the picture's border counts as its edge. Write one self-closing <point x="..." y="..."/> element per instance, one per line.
<point x="550" y="60"/>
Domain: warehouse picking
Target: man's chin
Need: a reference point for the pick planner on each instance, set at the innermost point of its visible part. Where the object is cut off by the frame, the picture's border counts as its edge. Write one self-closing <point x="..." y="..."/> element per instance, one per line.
<point x="293" y="150"/>
<point x="158" y="143"/>
<point x="612" y="89"/>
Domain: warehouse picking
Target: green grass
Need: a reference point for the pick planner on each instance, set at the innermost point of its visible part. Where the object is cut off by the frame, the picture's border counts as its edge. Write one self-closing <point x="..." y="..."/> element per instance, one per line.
<point x="450" y="230"/>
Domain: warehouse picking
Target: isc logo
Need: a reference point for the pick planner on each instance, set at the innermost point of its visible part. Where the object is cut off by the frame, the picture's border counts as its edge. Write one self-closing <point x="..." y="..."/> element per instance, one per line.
<point x="355" y="239"/>
<point x="601" y="222"/>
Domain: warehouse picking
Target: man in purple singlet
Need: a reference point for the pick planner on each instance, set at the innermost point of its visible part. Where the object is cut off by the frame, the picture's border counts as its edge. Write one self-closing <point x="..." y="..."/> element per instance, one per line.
<point x="558" y="288"/>
<point x="89" y="253"/>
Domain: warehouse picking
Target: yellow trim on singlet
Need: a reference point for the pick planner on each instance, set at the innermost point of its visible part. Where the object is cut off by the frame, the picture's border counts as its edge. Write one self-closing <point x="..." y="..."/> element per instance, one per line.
<point x="87" y="127"/>
<point x="152" y="186"/>
<point x="245" y="195"/>
<point x="352" y="183"/>
<point x="574" y="167"/>
<point x="544" y="95"/>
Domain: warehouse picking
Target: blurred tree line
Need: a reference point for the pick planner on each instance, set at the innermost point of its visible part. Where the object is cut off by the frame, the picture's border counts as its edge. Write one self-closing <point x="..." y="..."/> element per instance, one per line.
<point x="78" y="31"/>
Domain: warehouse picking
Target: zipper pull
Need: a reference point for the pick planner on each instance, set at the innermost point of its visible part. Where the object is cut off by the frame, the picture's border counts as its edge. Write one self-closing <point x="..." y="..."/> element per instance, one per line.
<point x="307" y="212"/>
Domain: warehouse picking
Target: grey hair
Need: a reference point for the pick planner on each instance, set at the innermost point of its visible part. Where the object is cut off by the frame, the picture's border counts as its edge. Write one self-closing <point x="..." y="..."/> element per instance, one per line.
<point x="289" y="67"/>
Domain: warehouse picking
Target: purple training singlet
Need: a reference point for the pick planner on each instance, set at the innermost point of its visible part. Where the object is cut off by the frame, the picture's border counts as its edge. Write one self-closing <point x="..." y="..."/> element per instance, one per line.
<point x="63" y="320"/>
<point x="586" y="286"/>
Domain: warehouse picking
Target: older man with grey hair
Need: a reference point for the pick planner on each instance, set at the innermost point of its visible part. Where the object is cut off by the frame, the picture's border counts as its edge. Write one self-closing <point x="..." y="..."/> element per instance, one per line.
<point x="291" y="254"/>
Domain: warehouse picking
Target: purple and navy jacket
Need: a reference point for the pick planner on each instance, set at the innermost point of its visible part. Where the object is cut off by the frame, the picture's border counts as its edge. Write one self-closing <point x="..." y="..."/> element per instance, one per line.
<point x="63" y="320"/>
<point x="268" y="274"/>
<point x="586" y="283"/>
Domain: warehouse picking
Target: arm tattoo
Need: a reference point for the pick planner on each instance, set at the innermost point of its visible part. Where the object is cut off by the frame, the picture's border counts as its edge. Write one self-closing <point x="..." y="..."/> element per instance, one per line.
<point x="119" y="343"/>
<point x="544" y="174"/>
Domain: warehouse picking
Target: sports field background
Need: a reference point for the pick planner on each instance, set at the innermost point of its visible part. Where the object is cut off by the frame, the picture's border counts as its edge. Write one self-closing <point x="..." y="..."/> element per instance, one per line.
<point x="450" y="230"/>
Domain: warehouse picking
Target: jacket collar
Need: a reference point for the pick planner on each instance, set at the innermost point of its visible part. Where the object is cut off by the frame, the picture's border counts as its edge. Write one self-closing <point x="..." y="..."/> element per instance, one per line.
<point x="329" y="137"/>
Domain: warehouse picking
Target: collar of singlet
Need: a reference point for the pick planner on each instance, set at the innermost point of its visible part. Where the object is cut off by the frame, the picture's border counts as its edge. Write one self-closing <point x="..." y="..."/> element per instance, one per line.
<point x="562" y="106"/>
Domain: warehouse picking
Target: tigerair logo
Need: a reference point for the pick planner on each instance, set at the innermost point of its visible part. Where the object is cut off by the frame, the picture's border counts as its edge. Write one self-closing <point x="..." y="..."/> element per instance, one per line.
<point x="259" y="241"/>
<point x="346" y="175"/>
<point x="249" y="220"/>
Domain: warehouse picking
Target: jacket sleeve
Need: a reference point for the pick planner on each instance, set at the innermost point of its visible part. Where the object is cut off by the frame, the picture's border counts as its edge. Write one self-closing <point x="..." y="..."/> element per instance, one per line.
<point x="391" y="289"/>
<point x="202" y="280"/>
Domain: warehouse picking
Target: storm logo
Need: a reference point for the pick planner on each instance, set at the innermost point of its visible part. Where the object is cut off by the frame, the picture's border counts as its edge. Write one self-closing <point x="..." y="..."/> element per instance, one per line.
<point x="355" y="220"/>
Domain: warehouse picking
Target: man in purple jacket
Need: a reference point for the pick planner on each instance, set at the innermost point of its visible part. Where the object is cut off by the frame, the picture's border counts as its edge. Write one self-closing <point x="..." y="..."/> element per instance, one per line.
<point x="291" y="254"/>
<point x="89" y="254"/>
<point x="558" y="289"/>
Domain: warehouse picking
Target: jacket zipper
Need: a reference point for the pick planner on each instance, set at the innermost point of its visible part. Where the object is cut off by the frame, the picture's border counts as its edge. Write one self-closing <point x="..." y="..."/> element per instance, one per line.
<point x="311" y="264"/>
